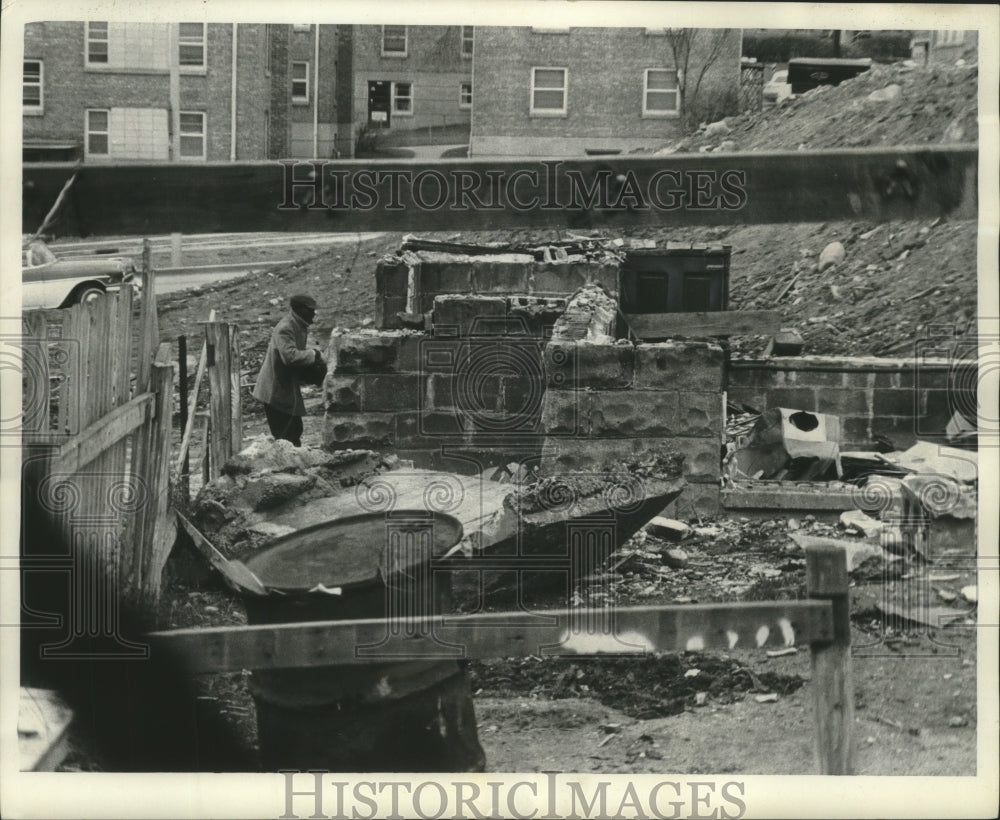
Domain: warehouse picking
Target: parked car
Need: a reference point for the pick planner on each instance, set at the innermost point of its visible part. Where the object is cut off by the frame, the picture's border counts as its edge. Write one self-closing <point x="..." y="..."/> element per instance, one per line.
<point x="777" y="88"/>
<point x="50" y="282"/>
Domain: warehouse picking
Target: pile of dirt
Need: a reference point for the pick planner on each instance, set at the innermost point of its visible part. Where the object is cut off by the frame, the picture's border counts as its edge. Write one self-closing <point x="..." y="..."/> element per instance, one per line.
<point x="897" y="104"/>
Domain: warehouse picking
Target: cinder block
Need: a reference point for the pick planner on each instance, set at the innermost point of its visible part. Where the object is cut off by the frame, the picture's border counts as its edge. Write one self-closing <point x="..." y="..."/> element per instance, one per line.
<point x="499" y="277"/>
<point x="374" y="351"/>
<point x="391" y="280"/>
<point x="702" y="456"/>
<point x="582" y="364"/>
<point x="895" y="403"/>
<point x="391" y="392"/>
<point x="343" y="394"/>
<point x="566" y="412"/>
<point x="853" y="378"/>
<point x="352" y="430"/>
<point x="818" y="378"/>
<point x="793" y="398"/>
<point x="632" y="413"/>
<point x="844" y="402"/>
<point x="521" y="394"/>
<point x="900" y="430"/>
<point x="699" y="414"/>
<point x="429" y="429"/>
<point x="446" y="277"/>
<point x="556" y="279"/>
<point x="678" y="366"/>
<point x="386" y="310"/>
<point x="855" y="432"/>
<point x="467" y="313"/>
<point x="749" y="396"/>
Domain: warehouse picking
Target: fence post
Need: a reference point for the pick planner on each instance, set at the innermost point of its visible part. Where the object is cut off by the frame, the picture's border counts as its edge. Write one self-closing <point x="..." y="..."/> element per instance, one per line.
<point x="158" y="526"/>
<point x="148" y="327"/>
<point x="220" y="394"/>
<point x="235" y="388"/>
<point x="182" y="378"/>
<point x="833" y="687"/>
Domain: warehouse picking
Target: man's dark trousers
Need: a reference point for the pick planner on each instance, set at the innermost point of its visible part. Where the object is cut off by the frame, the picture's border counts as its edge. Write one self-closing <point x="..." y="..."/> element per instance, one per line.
<point x="284" y="425"/>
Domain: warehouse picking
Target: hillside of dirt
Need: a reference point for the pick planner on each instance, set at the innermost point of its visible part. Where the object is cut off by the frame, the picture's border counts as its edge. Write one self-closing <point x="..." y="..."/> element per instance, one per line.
<point x="892" y="283"/>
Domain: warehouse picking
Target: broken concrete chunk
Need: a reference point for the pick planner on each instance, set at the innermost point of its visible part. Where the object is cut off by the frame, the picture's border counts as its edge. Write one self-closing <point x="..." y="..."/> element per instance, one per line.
<point x="857" y="521"/>
<point x="675" y="558"/>
<point x="271" y="489"/>
<point x="668" y="528"/>
<point x="832" y="254"/>
<point x="857" y="551"/>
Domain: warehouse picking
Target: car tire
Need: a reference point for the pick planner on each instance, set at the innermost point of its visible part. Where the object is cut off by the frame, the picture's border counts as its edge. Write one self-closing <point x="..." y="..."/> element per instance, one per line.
<point x="86" y="293"/>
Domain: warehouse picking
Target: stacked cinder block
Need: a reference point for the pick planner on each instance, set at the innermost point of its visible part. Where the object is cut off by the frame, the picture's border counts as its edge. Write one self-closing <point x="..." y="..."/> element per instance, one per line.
<point x="473" y="387"/>
<point x="609" y="400"/>
<point x="903" y="399"/>
<point x="411" y="281"/>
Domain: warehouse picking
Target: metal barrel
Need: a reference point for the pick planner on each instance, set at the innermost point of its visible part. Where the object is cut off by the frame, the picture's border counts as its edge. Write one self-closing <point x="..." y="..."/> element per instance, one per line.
<point x="393" y="713"/>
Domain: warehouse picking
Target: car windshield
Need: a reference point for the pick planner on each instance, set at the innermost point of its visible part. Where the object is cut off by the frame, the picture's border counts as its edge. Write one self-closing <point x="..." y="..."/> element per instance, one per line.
<point x="38" y="253"/>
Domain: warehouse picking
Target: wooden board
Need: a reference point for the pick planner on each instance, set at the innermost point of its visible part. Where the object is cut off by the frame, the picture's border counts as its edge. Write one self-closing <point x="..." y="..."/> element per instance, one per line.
<point x="625" y="630"/>
<point x="652" y="326"/>
<point x="677" y="190"/>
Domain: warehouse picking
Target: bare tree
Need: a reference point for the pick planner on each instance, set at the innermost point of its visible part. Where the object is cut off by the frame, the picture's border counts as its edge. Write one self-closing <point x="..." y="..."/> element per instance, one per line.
<point x="708" y="45"/>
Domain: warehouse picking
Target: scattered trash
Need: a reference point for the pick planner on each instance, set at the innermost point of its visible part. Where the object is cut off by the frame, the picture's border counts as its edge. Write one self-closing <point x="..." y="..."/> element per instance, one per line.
<point x="858" y="521"/>
<point x="777" y="653"/>
<point x="691" y="673"/>
<point x="971" y="593"/>
<point x="771" y="697"/>
<point x="958" y="721"/>
<point x="700" y="698"/>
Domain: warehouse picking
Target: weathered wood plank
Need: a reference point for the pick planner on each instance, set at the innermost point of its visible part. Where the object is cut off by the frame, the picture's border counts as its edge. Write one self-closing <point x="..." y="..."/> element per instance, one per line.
<point x="35" y="367"/>
<point x="234" y="572"/>
<point x="91" y="442"/>
<point x="189" y="428"/>
<point x="217" y="339"/>
<point x="235" y="393"/>
<point x="833" y="689"/>
<point x="636" y="630"/>
<point x="861" y="184"/>
<point x="653" y="326"/>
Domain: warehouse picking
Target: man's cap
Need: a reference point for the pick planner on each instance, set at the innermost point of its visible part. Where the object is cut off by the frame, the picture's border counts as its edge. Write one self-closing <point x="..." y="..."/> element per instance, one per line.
<point x="301" y="300"/>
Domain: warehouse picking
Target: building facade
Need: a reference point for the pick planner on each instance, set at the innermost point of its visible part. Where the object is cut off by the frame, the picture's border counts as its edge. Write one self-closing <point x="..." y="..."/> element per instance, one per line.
<point x="410" y="83"/>
<point x="574" y="91"/>
<point x="945" y="46"/>
<point x="103" y="91"/>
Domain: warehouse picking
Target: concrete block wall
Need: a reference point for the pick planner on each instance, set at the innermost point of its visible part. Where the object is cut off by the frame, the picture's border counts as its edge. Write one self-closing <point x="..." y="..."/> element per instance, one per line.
<point x="472" y="388"/>
<point x="902" y="399"/>
<point x="413" y="281"/>
<point x="607" y="400"/>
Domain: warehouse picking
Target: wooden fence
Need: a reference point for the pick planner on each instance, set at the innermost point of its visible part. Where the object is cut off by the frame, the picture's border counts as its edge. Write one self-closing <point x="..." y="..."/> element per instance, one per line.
<point x="96" y="436"/>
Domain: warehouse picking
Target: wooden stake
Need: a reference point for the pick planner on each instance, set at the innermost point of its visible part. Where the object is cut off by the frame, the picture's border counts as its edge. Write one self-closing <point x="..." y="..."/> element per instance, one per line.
<point x="189" y="427"/>
<point x="833" y="688"/>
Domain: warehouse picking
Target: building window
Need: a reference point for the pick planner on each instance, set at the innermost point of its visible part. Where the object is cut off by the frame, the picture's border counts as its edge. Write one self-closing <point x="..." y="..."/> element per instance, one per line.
<point x="465" y="95"/>
<point x="97" y="43"/>
<point x="300" y="82"/>
<point x="402" y="98"/>
<point x="548" y="91"/>
<point x="467" y="40"/>
<point x="660" y="95"/>
<point x="393" y="41"/>
<point x="97" y="132"/>
<point x="32" y="93"/>
<point x="191" y="45"/>
<point x="951" y="37"/>
<point x="192" y="135"/>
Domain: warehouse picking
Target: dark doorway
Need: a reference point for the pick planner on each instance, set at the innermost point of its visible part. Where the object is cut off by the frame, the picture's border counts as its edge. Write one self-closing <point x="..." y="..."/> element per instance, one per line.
<point x="379" y="103"/>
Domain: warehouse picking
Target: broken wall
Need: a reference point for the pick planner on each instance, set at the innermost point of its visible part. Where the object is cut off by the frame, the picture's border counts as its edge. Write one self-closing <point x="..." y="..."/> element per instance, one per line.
<point x="410" y="282"/>
<point x="901" y="399"/>
<point x="607" y="400"/>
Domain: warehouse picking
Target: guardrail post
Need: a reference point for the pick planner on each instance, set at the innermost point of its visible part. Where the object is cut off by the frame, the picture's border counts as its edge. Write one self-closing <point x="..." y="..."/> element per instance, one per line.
<point x="833" y="687"/>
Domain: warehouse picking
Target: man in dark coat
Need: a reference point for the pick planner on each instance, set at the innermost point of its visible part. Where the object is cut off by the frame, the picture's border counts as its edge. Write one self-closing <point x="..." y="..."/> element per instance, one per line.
<point x="286" y="365"/>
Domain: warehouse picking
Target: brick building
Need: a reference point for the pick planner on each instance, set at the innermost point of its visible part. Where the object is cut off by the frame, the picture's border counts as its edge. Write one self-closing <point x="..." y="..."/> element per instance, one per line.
<point x="945" y="46"/>
<point x="570" y="91"/>
<point x="103" y="91"/>
<point x="410" y="83"/>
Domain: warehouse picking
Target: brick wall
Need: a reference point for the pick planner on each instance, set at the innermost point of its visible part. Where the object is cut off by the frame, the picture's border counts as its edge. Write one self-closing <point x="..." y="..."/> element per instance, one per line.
<point x="434" y="64"/>
<point x="604" y="96"/>
<point x="70" y="88"/>
<point x="892" y="397"/>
